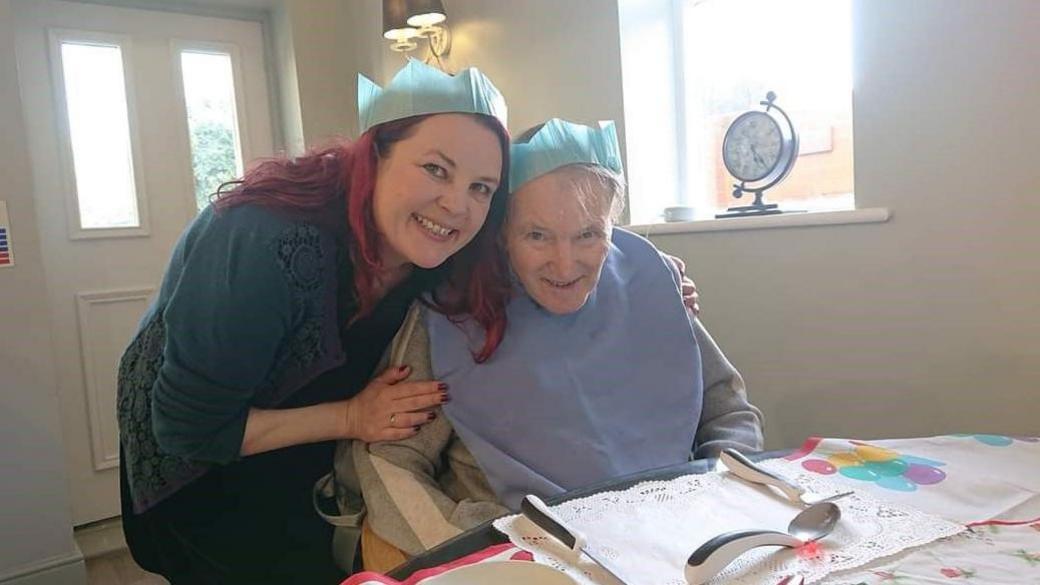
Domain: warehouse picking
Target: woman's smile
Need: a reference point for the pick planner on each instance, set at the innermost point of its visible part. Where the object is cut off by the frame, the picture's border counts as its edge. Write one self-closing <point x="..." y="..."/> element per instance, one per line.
<point x="561" y="284"/>
<point x="436" y="231"/>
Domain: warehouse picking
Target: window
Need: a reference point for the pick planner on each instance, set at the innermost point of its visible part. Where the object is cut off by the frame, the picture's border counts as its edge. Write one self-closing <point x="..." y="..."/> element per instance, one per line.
<point x="99" y="134"/>
<point x="720" y="58"/>
<point x="209" y="99"/>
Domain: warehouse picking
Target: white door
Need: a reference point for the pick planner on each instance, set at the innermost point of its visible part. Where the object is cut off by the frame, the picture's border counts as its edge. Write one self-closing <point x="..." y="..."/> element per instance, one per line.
<point x="107" y="93"/>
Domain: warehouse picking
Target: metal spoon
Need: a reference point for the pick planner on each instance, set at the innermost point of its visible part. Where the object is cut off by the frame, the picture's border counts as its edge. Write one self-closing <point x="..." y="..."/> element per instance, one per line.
<point x="746" y="469"/>
<point x="811" y="524"/>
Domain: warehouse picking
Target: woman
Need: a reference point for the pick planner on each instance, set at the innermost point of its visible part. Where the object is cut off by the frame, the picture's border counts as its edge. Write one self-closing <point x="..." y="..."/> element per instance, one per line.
<point x="600" y="373"/>
<point x="277" y="304"/>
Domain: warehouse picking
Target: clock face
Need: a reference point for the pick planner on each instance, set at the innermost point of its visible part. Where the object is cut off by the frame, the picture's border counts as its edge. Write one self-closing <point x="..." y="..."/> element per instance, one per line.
<point x="752" y="146"/>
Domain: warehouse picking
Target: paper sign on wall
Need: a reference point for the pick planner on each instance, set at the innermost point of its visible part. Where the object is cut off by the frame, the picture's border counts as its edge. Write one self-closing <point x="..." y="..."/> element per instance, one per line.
<point x="6" y="253"/>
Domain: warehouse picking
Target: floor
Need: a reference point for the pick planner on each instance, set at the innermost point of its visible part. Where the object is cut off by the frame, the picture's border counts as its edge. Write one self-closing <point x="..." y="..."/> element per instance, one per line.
<point x="119" y="568"/>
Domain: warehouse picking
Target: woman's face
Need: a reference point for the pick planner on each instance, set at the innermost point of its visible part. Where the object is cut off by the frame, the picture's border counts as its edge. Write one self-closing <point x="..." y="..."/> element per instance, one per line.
<point x="557" y="238"/>
<point x="434" y="188"/>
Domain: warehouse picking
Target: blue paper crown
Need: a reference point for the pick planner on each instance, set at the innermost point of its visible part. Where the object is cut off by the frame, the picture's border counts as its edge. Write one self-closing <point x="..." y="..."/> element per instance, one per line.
<point x="559" y="143"/>
<point x="421" y="89"/>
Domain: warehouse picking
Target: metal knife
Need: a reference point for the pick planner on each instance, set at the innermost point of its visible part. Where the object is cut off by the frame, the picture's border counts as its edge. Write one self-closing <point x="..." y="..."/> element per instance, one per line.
<point x="535" y="510"/>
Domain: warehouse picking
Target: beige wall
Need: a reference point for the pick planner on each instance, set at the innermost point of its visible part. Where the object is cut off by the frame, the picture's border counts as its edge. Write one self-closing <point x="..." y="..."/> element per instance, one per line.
<point x="927" y="324"/>
<point x="35" y="516"/>
<point x="287" y="84"/>
<point x="549" y="57"/>
<point x="320" y="46"/>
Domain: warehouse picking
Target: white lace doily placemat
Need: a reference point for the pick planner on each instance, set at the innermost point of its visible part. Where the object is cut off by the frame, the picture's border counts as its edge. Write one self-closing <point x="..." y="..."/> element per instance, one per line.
<point x="648" y="531"/>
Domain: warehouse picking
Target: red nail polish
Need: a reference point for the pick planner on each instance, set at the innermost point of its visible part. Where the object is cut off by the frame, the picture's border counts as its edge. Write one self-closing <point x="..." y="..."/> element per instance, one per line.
<point x="431" y="416"/>
<point x="445" y="397"/>
<point x="416" y="429"/>
<point x="443" y="387"/>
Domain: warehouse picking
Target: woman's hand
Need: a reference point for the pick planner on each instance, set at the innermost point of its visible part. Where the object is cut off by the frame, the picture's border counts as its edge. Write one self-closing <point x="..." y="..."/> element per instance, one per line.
<point x="689" y="289"/>
<point x="389" y="409"/>
<point x="386" y="410"/>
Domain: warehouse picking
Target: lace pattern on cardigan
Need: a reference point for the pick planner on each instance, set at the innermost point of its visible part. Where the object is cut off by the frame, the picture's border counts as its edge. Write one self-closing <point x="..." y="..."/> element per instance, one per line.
<point x="152" y="473"/>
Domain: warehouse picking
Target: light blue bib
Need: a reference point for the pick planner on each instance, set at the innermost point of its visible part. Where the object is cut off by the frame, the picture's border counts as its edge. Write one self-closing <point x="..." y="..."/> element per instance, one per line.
<point x="571" y="400"/>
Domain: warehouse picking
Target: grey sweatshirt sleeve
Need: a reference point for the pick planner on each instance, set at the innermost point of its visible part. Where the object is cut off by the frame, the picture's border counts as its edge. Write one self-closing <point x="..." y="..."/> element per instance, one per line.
<point x="425" y="489"/>
<point x="727" y="418"/>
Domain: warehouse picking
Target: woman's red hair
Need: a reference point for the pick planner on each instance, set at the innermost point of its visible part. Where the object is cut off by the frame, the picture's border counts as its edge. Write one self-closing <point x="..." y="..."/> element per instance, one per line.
<point x="312" y="184"/>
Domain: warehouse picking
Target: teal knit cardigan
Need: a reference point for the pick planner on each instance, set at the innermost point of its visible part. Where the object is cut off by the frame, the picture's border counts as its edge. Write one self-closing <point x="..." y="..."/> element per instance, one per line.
<point x="247" y="314"/>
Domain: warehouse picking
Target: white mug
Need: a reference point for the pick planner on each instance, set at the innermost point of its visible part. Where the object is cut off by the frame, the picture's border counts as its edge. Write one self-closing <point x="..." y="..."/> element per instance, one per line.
<point x="678" y="213"/>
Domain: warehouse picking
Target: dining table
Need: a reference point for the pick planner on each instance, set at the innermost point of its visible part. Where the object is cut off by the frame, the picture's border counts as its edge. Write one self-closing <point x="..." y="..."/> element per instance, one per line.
<point x="948" y="509"/>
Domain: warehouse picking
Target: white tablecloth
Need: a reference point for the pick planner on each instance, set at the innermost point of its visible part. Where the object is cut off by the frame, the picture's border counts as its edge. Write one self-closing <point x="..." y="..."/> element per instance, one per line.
<point x="990" y="484"/>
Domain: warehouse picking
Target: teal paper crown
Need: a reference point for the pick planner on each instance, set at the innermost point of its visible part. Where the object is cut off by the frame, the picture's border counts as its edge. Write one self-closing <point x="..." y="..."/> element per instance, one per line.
<point x="559" y="143"/>
<point x="420" y="89"/>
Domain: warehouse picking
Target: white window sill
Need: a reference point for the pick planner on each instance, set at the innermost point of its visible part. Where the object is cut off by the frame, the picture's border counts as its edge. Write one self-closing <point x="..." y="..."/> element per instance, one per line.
<point x="813" y="218"/>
